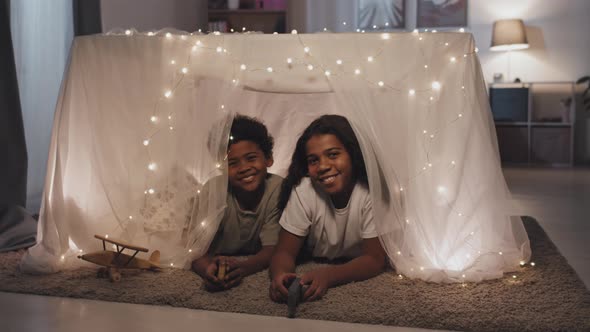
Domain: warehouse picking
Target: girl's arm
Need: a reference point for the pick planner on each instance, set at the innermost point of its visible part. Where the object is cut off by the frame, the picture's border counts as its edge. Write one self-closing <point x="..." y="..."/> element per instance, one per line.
<point x="282" y="264"/>
<point x="369" y="264"/>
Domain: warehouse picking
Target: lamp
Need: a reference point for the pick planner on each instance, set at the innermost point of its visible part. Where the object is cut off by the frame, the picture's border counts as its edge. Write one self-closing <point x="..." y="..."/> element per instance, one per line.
<point x="509" y="35"/>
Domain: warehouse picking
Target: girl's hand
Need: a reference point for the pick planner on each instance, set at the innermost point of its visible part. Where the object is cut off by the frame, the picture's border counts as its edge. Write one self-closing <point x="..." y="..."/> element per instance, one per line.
<point x="236" y="273"/>
<point x="318" y="282"/>
<point x="278" y="287"/>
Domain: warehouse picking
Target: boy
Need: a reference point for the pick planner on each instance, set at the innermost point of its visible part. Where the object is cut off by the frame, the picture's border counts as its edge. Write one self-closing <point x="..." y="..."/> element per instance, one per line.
<point x="250" y="224"/>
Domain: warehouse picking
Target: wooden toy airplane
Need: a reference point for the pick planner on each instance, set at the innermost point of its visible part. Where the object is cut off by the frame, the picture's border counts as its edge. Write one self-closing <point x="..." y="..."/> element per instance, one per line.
<point x="114" y="261"/>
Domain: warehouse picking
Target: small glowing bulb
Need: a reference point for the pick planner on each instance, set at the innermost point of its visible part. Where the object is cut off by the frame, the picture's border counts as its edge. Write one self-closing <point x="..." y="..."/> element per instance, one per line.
<point x="146" y="142"/>
<point x="453" y="59"/>
<point x="370" y="59"/>
<point x="407" y="221"/>
<point x="151" y="191"/>
<point x="463" y="87"/>
<point x="434" y="31"/>
<point x="513" y="276"/>
<point x="465" y="55"/>
<point x="218" y="165"/>
<point x="385" y="36"/>
<point x="380" y="83"/>
<point x="106" y="236"/>
<point x="198" y="43"/>
<point x="168" y="94"/>
<point x="243" y="28"/>
<point x="325" y="29"/>
<point x="446" y="44"/>
<point x="522" y="263"/>
<point x="242" y="67"/>
<point x="198" y="191"/>
<point x="152" y="166"/>
<point x="436" y="85"/>
<point x="344" y="23"/>
<point x="219" y="49"/>
<point x="203" y="223"/>
<point x="460" y="115"/>
<point x="386" y="24"/>
<point x="431" y="136"/>
<point x="184" y="70"/>
<point x="183" y="37"/>
<point x="500" y="253"/>
<point x="293" y="32"/>
<point x="190" y="250"/>
<point x="415" y="31"/>
<point x="327" y="73"/>
<point x="169" y="117"/>
<point x="128" y="32"/>
<point x="231" y="30"/>
<point x="358" y="30"/>
<point x="453" y="162"/>
<point x="462" y="276"/>
<point x="532" y="263"/>
<point x="173" y="62"/>
<point x="425" y="66"/>
<point x="399" y="252"/>
<point x="420" y="38"/>
<point x="421" y="268"/>
<point x="168" y="35"/>
<point x="412" y="92"/>
<point x="150" y="33"/>
<point x="424" y="131"/>
<point x="430" y="164"/>
<point x="476" y="50"/>
<point x="130" y="217"/>
<point x="171" y="264"/>
<point x="401" y="188"/>
<point x="309" y="67"/>
<point x="194" y="48"/>
<point x="374" y="27"/>
<point x="222" y="106"/>
<point x="154" y="119"/>
<point x="357" y="71"/>
<point x="289" y="60"/>
<point x="269" y="69"/>
<point x="400" y="276"/>
<point x="472" y="233"/>
<point x="462" y="30"/>
<point x="431" y="98"/>
<point x="441" y="189"/>
<point x="338" y="62"/>
<point x="306" y="49"/>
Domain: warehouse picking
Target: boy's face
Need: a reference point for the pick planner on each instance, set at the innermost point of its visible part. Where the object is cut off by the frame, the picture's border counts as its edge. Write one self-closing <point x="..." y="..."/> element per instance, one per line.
<point x="247" y="166"/>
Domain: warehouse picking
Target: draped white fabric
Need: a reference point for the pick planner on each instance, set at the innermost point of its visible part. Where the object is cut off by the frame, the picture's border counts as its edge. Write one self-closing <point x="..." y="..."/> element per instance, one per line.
<point x="142" y="124"/>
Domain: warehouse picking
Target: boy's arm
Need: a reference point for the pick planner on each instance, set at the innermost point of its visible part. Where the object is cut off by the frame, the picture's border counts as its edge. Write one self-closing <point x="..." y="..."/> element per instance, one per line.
<point x="255" y="263"/>
<point x="369" y="264"/>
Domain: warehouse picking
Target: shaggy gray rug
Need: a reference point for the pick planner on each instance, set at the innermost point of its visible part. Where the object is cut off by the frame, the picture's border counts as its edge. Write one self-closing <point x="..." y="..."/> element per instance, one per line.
<point x="547" y="297"/>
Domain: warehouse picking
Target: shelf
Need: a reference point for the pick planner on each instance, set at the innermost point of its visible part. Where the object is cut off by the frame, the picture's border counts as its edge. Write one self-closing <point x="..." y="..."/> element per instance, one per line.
<point x="246" y="12"/>
<point x="512" y="124"/>
<point x="551" y="124"/>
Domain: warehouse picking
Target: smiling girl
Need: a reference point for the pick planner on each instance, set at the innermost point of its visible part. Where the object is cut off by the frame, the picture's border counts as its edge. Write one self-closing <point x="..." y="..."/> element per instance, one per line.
<point x="327" y="212"/>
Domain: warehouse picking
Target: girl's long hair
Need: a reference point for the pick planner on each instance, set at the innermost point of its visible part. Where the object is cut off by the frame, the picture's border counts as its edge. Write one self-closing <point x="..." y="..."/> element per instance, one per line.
<point x="326" y="124"/>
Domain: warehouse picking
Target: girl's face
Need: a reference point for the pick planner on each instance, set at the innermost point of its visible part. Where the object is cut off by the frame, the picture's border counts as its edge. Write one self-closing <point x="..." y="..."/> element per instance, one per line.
<point x="329" y="166"/>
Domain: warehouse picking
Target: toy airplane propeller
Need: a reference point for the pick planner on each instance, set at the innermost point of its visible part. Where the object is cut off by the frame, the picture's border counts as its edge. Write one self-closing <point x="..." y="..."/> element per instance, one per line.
<point x="114" y="261"/>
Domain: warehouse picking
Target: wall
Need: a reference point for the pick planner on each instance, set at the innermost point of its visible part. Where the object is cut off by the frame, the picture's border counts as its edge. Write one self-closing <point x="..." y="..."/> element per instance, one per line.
<point x="558" y="33"/>
<point x="145" y="15"/>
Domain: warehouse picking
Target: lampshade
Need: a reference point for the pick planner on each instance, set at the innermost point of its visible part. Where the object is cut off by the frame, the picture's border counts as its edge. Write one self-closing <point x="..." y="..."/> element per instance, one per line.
<point x="509" y="35"/>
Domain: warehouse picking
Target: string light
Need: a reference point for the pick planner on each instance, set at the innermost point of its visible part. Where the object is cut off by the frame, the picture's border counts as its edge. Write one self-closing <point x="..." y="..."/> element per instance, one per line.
<point x="146" y="142"/>
<point x="338" y="62"/>
<point x="344" y="23"/>
<point x="168" y="35"/>
<point x="130" y="217"/>
<point x="269" y="69"/>
<point x="184" y="70"/>
<point x="446" y="44"/>
<point x="154" y="119"/>
<point x="190" y="250"/>
<point x="380" y="83"/>
<point x="289" y="60"/>
<point x="357" y="71"/>
<point x="173" y="62"/>
<point x="306" y="49"/>
<point x="152" y="167"/>
<point x="128" y="32"/>
<point x="370" y="59"/>
<point x="412" y="92"/>
<point x="532" y="263"/>
<point x="309" y="67"/>
<point x="242" y="67"/>
<point x="436" y="85"/>
<point x="462" y="30"/>
<point x="327" y="73"/>
<point x="150" y="33"/>
<point x="453" y="59"/>
<point x="168" y="94"/>
<point x="219" y="49"/>
<point x="293" y="32"/>
<point x="151" y="191"/>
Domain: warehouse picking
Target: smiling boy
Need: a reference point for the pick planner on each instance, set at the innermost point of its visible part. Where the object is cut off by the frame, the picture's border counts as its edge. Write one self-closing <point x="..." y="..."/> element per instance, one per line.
<point x="250" y="224"/>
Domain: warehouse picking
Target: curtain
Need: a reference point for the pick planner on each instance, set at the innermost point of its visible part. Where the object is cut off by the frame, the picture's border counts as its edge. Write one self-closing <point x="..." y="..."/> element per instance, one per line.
<point x="42" y="33"/>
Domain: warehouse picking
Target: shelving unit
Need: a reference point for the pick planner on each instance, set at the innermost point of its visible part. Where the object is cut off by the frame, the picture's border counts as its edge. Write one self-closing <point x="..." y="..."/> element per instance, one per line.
<point x="533" y="123"/>
<point x="266" y="16"/>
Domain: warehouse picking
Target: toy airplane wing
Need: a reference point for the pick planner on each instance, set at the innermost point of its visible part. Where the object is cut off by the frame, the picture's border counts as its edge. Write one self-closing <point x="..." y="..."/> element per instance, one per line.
<point x="118" y="259"/>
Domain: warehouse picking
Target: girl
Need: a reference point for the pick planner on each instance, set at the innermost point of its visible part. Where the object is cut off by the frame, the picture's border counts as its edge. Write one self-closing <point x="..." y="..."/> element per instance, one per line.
<point x="326" y="206"/>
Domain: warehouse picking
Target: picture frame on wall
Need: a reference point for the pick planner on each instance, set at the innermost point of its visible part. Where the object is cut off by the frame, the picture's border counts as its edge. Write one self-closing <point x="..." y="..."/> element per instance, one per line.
<point x="381" y="14"/>
<point x="441" y="13"/>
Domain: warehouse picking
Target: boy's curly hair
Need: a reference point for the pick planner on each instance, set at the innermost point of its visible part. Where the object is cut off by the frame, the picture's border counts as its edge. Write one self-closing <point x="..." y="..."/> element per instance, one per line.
<point x="245" y="128"/>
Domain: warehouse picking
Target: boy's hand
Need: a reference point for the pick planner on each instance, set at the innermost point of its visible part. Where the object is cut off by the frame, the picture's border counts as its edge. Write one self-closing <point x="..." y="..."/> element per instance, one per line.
<point x="318" y="282"/>
<point x="236" y="273"/>
<point x="278" y="287"/>
<point x="210" y="280"/>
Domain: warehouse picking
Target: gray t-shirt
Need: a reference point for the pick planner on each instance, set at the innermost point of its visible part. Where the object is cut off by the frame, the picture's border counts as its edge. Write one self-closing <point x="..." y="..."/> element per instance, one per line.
<point x="245" y="232"/>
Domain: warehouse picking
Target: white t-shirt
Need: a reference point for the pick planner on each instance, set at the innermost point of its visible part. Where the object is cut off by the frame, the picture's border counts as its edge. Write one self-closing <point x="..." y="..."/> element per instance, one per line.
<point x="331" y="232"/>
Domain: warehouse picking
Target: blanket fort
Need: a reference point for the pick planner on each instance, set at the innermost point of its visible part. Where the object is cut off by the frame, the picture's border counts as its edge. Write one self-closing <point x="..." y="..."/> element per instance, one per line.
<point x="142" y="124"/>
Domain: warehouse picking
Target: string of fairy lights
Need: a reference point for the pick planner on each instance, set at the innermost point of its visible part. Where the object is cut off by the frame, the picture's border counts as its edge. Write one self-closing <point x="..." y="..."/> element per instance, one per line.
<point x="339" y="68"/>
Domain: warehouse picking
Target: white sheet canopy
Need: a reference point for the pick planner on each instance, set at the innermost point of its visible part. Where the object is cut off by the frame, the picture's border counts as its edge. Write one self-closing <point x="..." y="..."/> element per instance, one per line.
<point x="143" y="118"/>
